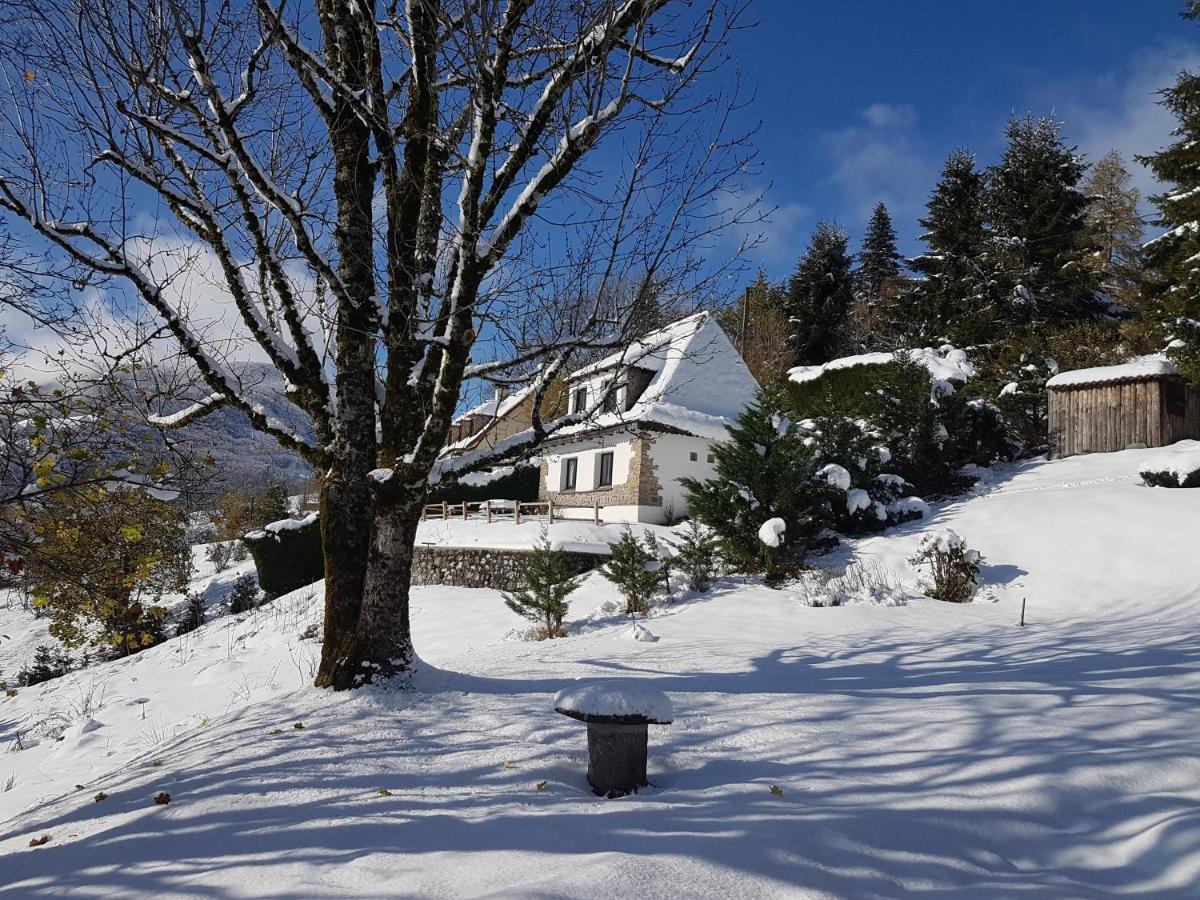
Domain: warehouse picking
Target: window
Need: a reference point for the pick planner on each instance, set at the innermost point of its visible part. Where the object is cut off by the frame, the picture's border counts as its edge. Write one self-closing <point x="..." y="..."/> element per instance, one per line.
<point x="711" y="458"/>
<point x="579" y="404"/>
<point x="604" y="469"/>
<point x="610" y="399"/>
<point x="570" y="472"/>
<point x="693" y="456"/>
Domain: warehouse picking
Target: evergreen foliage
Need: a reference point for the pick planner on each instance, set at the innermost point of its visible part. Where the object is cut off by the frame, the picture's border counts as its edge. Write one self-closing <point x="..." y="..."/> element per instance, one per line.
<point x="1039" y="236"/>
<point x="877" y="282"/>
<point x="287" y="559"/>
<point x="818" y="298"/>
<point x="1174" y="286"/>
<point x="194" y="615"/>
<point x="954" y="233"/>
<point x="245" y="594"/>
<point x="48" y="662"/>
<point x="1117" y="230"/>
<point x="548" y="580"/>
<point x="764" y="471"/>
<point x="696" y="555"/>
<point x="636" y="568"/>
<point x="759" y="328"/>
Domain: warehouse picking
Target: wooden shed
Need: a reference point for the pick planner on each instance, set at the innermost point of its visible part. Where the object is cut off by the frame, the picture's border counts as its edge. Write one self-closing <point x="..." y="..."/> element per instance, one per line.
<point x="1142" y="403"/>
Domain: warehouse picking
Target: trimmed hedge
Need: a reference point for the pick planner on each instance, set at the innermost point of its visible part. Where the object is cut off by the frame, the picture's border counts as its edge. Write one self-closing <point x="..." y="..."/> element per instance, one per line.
<point x="521" y="484"/>
<point x="287" y="558"/>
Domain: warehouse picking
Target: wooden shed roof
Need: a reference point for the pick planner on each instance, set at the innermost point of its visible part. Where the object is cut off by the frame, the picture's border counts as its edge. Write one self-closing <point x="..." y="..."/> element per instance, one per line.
<point x="1142" y="368"/>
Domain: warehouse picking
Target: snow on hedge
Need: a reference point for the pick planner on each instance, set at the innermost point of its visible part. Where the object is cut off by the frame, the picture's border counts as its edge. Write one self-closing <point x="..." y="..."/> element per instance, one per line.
<point x="618" y="697"/>
<point x="277" y="528"/>
<point x="771" y="532"/>
<point x="944" y="364"/>
<point x="1178" y="462"/>
<point x="1150" y="366"/>
<point x="836" y="476"/>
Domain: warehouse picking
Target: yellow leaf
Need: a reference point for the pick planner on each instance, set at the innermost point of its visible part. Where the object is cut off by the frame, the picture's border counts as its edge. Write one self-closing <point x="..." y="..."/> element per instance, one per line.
<point x="776" y="790"/>
<point x="541" y="785"/>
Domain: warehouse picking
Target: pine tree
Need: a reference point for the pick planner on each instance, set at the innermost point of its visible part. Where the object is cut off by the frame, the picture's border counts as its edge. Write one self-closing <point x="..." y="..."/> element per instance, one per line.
<point x="1039" y="236"/>
<point x="48" y="663"/>
<point x="764" y="471"/>
<point x="818" y="297"/>
<point x="697" y="555"/>
<point x="954" y="233"/>
<point x="1116" y="230"/>
<point x="244" y="596"/>
<point x="1174" y="286"/>
<point x="194" y="615"/>
<point x="548" y="581"/>
<point x="636" y="569"/>
<point x="876" y="279"/>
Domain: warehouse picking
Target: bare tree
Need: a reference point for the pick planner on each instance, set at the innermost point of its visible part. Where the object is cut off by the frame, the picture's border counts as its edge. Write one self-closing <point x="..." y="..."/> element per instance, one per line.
<point x="395" y="200"/>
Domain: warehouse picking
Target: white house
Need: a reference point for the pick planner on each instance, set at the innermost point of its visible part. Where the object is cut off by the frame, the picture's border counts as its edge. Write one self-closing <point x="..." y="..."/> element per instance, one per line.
<point x="653" y="413"/>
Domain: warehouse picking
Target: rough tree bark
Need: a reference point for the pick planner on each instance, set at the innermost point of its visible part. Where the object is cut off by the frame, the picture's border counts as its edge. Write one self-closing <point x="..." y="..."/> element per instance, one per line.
<point x="381" y="193"/>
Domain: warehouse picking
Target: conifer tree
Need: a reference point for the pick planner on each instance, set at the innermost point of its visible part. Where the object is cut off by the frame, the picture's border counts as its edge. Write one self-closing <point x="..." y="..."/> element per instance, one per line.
<point x="764" y="471"/>
<point x="954" y="233"/>
<point x="636" y="569"/>
<point x="818" y="297"/>
<point x="1174" y="286"/>
<point x="697" y="555"/>
<point x="548" y="581"/>
<point x="1039" y="235"/>
<point x="876" y="279"/>
<point x="1116" y="230"/>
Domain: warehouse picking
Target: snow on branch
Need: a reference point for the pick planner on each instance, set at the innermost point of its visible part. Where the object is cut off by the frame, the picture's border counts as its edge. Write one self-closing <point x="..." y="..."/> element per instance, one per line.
<point x="189" y="414"/>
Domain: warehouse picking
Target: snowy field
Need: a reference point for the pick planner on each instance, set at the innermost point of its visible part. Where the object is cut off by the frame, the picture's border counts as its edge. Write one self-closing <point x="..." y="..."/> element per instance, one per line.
<point x="861" y="751"/>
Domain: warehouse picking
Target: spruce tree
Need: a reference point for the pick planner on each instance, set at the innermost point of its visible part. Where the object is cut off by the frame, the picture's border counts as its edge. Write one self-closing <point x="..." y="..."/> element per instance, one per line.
<point x="949" y="286"/>
<point x="548" y="581"/>
<point x="697" y="555"/>
<point x="1116" y="230"/>
<point x="1174" y="286"/>
<point x="877" y="277"/>
<point x="1039" y="235"/>
<point x="764" y="471"/>
<point x="636" y="569"/>
<point x="818" y="297"/>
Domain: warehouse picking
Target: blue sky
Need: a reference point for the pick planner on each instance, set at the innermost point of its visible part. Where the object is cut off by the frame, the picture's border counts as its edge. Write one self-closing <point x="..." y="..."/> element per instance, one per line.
<point x="861" y="101"/>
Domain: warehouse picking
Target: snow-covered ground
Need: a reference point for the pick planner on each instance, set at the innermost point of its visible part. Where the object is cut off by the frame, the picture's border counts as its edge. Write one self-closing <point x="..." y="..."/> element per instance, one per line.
<point x="861" y="751"/>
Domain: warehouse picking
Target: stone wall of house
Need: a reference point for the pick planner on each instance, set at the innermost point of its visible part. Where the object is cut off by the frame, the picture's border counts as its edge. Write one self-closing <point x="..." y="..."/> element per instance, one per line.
<point x="641" y="488"/>
<point x="483" y="567"/>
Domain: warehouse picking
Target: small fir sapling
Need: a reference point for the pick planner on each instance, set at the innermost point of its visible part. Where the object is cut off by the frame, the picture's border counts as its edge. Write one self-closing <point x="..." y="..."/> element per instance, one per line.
<point x="48" y="663"/>
<point x="636" y="569"/>
<point x="548" y="581"/>
<point x="697" y="555"/>
<point x="953" y="565"/>
<point x="193" y="615"/>
<point x="244" y="596"/>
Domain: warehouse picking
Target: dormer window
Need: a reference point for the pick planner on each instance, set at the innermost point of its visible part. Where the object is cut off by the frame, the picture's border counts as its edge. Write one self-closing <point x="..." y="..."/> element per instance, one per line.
<point x="579" y="400"/>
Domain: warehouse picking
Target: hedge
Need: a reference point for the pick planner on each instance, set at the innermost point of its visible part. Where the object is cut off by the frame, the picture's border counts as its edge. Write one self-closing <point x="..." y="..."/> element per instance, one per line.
<point x="287" y="555"/>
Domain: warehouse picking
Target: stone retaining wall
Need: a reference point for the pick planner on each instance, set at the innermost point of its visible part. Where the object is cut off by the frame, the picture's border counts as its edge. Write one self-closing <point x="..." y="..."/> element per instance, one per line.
<point x="483" y="567"/>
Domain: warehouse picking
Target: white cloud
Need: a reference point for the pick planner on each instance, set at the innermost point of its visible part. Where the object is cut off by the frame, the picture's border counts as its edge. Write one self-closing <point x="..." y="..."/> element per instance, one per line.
<point x="775" y="232"/>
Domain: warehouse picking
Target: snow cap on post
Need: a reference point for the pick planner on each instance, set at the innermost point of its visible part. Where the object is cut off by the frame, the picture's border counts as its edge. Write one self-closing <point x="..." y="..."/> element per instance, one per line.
<point x="615" y="700"/>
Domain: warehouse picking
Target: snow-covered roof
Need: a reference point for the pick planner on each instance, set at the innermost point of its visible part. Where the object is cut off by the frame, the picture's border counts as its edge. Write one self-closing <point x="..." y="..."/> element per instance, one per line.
<point x="699" y="385"/>
<point x="497" y="407"/>
<point x="1140" y="368"/>
<point x="945" y="363"/>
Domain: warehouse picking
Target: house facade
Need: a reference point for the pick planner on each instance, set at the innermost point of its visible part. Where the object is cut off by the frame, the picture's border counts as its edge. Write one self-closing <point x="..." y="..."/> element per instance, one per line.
<point x="649" y="417"/>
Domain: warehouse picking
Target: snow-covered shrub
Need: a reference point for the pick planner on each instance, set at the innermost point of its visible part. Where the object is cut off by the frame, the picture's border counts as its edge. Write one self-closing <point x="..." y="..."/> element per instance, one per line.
<point x="863" y="492"/>
<point x="220" y="554"/>
<point x="548" y="580"/>
<point x="1176" y="469"/>
<point x="954" y="567"/>
<point x="637" y="569"/>
<point x="245" y="594"/>
<point x="764" y="471"/>
<point x="193" y="615"/>
<point x="863" y="583"/>
<point x="696" y="555"/>
<point x="287" y="554"/>
<point x="47" y="663"/>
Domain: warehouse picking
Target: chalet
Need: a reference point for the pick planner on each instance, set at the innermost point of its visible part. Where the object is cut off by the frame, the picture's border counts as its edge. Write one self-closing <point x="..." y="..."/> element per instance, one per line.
<point x="1141" y="403"/>
<point x="483" y="426"/>
<point x="651" y="415"/>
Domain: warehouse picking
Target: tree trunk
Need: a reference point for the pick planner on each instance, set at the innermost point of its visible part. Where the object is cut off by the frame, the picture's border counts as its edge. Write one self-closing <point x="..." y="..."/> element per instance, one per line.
<point x="379" y="645"/>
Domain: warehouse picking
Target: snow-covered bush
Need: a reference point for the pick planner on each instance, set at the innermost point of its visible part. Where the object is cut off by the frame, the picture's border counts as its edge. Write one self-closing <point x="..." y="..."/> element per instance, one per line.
<point x="637" y="569"/>
<point x="863" y="583"/>
<point x="548" y="580"/>
<point x="193" y="617"/>
<point x="47" y="663"/>
<point x="954" y="567"/>
<point x="696" y="555"/>
<point x="1178" y="469"/>
<point x="220" y="554"/>
<point x="764" y="471"/>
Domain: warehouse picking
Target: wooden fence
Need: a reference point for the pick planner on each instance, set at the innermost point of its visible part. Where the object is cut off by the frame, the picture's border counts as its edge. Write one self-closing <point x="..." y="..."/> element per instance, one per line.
<point x="492" y="510"/>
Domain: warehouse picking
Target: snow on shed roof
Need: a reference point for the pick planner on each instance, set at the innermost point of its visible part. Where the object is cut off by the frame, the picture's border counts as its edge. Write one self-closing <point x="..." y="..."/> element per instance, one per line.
<point x="945" y="363"/>
<point x="700" y="383"/>
<point x="1140" y="368"/>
